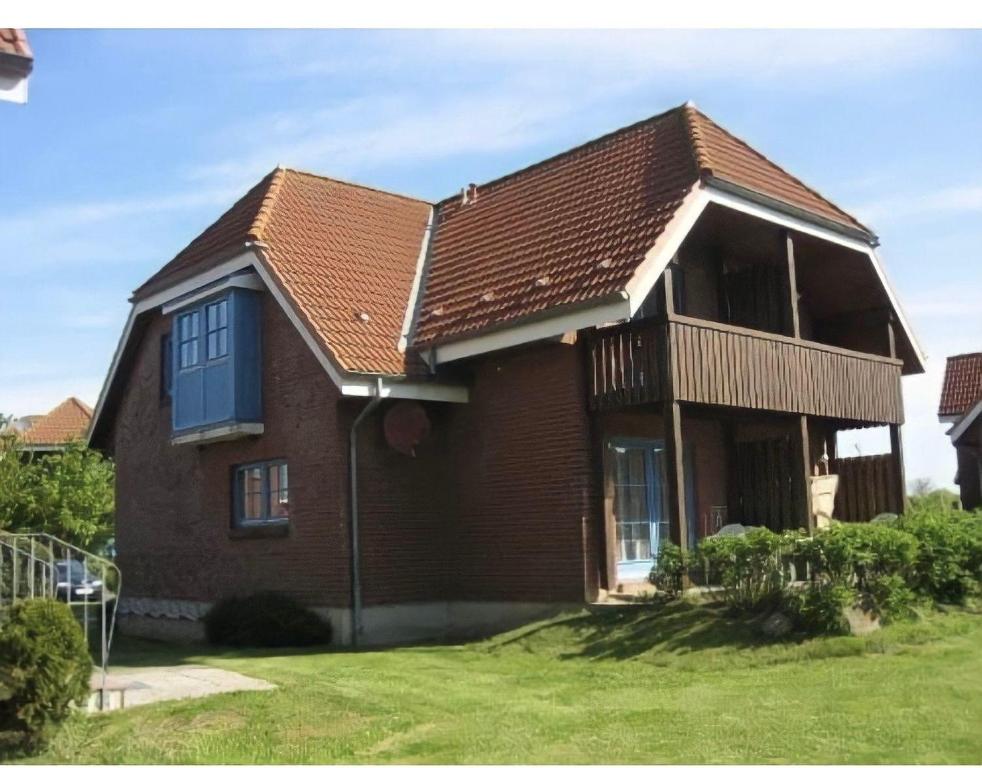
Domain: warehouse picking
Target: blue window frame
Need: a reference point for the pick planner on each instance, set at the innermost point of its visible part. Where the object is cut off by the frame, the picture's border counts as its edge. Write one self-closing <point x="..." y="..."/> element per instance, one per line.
<point x="216" y="322"/>
<point x="261" y="493"/>
<point x="187" y="340"/>
<point x="640" y="505"/>
<point x="166" y="367"/>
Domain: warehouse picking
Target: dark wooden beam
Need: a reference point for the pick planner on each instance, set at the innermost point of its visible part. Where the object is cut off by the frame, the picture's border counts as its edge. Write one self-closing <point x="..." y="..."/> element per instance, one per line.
<point x="668" y="285"/>
<point x="801" y="469"/>
<point x="675" y="473"/>
<point x="897" y="453"/>
<point x="792" y="286"/>
<point x="610" y="522"/>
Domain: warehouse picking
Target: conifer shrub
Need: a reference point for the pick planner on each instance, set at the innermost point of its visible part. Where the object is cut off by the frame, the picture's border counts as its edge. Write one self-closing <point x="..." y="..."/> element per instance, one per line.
<point x="45" y="667"/>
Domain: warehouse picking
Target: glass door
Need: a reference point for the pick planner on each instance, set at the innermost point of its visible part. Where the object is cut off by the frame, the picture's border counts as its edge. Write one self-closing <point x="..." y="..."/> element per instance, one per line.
<point x="639" y="505"/>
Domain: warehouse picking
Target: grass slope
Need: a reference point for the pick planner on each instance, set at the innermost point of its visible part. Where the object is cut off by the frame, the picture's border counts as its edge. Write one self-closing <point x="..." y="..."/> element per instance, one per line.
<point x="675" y="683"/>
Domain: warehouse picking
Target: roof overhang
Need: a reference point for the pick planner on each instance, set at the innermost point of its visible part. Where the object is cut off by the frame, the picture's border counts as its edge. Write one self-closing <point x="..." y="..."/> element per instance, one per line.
<point x="624" y="304"/>
<point x="961" y="427"/>
<point x="230" y="272"/>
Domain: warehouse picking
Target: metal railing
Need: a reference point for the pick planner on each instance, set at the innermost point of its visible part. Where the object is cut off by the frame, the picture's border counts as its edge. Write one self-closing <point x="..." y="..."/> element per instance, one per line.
<point x="35" y="565"/>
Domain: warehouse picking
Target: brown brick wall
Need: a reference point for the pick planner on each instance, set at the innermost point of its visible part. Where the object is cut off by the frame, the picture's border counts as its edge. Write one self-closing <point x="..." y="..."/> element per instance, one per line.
<point x="495" y="505"/>
<point x="174" y="508"/>
<point x="526" y="491"/>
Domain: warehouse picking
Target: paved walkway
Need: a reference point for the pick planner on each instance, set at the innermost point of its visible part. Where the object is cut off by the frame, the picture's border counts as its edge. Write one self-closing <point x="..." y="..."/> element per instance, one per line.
<point x="130" y="687"/>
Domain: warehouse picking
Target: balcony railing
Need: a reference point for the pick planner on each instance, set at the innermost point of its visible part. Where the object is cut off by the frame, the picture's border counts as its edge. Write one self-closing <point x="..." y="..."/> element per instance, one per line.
<point x="716" y="364"/>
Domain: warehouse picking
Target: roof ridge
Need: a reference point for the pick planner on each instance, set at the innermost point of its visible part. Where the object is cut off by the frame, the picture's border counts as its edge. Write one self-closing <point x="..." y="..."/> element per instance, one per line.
<point x="700" y="151"/>
<point x="80" y="405"/>
<point x="963" y="355"/>
<point x="350" y="183"/>
<point x="579" y="147"/>
<point x="258" y="226"/>
<point x="771" y="163"/>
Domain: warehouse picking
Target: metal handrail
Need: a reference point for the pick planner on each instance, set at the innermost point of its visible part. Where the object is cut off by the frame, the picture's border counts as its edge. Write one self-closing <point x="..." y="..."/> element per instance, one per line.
<point x="42" y="579"/>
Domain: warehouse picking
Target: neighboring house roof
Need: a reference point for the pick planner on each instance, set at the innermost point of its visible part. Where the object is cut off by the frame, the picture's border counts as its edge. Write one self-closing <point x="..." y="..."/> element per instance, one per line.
<point x="576" y="227"/>
<point x="962" y="386"/>
<point x="16" y="63"/>
<point x="15" y="52"/>
<point x="67" y="422"/>
<point x="344" y="254"/>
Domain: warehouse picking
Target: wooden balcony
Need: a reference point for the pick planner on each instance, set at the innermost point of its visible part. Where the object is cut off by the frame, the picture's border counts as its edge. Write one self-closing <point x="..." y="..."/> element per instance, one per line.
<point x="716" y="364"/>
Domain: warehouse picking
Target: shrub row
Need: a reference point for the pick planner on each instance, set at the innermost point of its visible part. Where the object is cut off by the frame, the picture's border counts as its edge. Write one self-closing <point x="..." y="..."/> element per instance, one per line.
<point x="886" y="567"/>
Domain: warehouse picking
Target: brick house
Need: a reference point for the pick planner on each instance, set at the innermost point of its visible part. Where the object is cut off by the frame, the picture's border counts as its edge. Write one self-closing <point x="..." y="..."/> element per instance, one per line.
<point x="961" y="406"/>
<point x="67" y="422"/>
<point x="426" y="419"/>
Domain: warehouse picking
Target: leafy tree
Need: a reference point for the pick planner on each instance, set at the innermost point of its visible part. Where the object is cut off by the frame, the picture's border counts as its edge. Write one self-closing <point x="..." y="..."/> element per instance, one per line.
<point x="68" y="494"/>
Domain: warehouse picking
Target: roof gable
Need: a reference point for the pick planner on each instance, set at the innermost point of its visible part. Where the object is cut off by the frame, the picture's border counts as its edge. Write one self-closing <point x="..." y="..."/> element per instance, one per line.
<point x="344" y="255"/>
<point x="68" y="421"/>
<point x="722" y="155"/>
<point x="962" y="386"/>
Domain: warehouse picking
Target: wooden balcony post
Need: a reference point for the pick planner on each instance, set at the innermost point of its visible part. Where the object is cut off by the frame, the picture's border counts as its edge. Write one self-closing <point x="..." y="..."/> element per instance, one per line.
<point x="672" y="415"/>
<point x="792" y="286"/>
<point x="801" y="468"/>
<point x="896" y="442"/>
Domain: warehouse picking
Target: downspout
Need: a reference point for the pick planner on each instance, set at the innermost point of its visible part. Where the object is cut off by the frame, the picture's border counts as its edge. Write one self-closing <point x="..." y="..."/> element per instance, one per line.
<point x="355" y="550"/>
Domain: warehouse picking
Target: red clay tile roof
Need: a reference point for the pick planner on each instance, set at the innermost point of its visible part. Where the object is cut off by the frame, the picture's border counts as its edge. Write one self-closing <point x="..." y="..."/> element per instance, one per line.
<point x="15" y="53"/>
<point x="340" y="251"/>
<point x="582" y="221"/>
<point x="722" y="155"/>
<point x="962" y="386"/>
<point x="68" y="421"/>
<point x="568" y="230"/>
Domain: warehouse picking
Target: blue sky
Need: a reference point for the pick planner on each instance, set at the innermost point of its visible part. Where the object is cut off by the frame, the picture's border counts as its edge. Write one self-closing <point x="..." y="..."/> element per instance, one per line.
<point x="134" y="141"/>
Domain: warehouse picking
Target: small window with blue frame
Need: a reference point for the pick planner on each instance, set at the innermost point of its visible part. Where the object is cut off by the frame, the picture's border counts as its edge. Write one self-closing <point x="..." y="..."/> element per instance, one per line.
<point x="187" y="340"/>
<point x="262" y="493"/>
<point x="216" y="319"/>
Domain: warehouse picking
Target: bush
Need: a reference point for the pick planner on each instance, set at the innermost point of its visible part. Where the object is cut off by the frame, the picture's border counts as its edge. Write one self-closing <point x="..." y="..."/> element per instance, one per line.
<point x="264" y="620"/>
<point x="44" y="668"/>
<point x="670" y="568"/>
<point x="948" y="566"/>
<point x="874" y="560"/>
<point x="819" y="607"/>
<point x="750" y="568"/>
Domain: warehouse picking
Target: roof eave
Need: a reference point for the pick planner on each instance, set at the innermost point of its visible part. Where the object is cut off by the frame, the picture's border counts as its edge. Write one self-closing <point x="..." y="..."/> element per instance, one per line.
<point x="753" y="196"/>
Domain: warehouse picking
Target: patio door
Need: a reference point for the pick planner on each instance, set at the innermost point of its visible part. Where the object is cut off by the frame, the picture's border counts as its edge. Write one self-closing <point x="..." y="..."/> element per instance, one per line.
<point x="639" y="505"/>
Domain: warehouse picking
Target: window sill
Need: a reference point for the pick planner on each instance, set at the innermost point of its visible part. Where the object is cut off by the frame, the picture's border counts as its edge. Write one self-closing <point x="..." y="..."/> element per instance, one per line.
<point x="231" y="431"/>
<point x="279" y="530"/>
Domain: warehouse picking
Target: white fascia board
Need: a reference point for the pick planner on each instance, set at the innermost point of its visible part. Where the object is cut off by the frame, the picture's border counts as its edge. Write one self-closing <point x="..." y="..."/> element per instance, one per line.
<point x="347" y="384"/>
<point x="666" y="246"/>
<point x="618" y="309"/>
<point x="407" y="321"/>
<point x="247" y="280"/>
<point x="956" y="432"/>
<point x="750" y="208"/>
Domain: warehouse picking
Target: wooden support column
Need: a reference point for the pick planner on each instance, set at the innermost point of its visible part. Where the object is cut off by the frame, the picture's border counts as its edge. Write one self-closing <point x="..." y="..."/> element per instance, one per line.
<point x="672" y="414"/>
<point x="896" y="441"/>
<point x="801" y="469"/>
<point x="792" y="287"/>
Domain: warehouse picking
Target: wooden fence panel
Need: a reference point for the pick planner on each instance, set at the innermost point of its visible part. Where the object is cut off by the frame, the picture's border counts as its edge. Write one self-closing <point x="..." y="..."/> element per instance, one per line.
<point x="867" y="487"/>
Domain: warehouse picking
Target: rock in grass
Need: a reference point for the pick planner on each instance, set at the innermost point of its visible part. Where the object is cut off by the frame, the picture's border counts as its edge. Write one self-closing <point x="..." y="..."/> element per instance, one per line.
<point x="776" y="625"/>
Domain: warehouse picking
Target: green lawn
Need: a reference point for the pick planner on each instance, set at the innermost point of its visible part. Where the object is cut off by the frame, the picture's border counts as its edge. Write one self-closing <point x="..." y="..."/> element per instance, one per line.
<point x="649" y="684"/>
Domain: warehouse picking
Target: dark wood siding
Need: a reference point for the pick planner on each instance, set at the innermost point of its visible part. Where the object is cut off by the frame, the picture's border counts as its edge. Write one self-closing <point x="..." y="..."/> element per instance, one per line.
<point x="867" y="487"/>
<point x="714" y="364"/>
